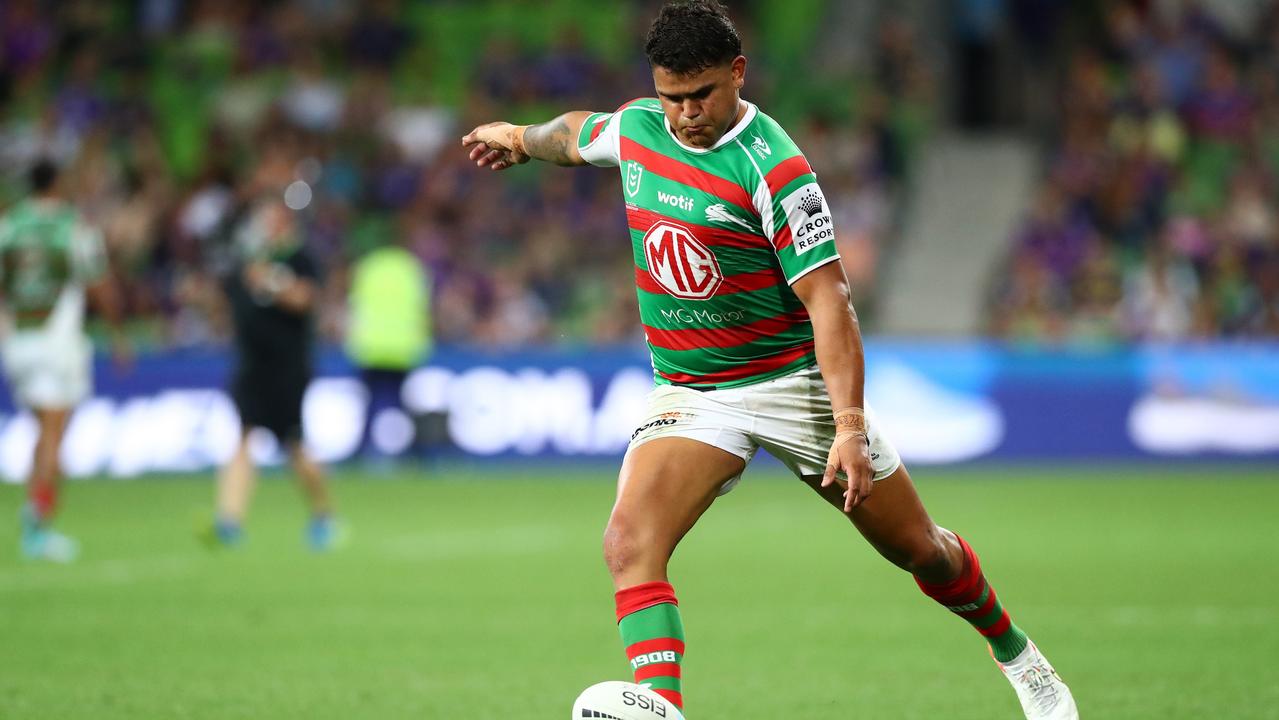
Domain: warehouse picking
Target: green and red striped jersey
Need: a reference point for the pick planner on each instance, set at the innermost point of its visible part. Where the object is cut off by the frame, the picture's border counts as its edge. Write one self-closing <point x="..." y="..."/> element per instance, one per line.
<point x="45" y="251"/>
<point x="719" y="236"/>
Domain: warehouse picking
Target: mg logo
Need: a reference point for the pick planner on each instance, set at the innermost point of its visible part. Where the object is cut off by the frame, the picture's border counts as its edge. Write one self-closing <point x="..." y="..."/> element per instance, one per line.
<point x="680" y="263"/>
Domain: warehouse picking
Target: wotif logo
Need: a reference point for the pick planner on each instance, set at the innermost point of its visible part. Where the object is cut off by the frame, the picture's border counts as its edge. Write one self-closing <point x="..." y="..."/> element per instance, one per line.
<point x="679" y="201"/>
<point x="680" y="263"/>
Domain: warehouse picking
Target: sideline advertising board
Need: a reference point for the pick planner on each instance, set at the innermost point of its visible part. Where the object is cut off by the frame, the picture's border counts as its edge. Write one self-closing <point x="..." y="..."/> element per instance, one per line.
<point x="940" y="402"/>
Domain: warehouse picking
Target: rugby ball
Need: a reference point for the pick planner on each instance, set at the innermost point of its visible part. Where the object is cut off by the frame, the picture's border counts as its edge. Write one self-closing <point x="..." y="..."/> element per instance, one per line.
<point x="617" y="700"/>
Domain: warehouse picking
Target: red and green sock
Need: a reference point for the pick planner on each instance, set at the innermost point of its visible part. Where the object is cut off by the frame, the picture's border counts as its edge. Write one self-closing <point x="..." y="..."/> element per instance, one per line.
<point x="43" y="500"/>
<point x="973" y="599"/>
<point x="653" y="634"/>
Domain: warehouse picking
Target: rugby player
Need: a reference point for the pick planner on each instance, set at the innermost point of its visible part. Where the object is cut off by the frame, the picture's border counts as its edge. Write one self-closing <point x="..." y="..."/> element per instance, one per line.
<point x="49" y="260"/>
<point x="754" y="342"/>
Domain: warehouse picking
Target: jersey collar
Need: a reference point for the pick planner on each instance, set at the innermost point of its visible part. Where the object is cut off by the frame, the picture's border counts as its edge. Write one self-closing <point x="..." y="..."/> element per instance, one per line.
<point x="728" y="137"/>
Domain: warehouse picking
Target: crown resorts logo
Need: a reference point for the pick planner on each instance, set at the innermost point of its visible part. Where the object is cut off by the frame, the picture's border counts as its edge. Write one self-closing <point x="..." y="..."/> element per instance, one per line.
<point x="810" y="202"/>
<point x="680" y="263"/>
<point x="808" y="217"/>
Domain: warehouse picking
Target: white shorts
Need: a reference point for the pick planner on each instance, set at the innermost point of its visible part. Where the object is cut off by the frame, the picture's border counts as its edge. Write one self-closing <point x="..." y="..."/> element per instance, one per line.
<point x="48" y="370"/>
<point x="789" y="416"/>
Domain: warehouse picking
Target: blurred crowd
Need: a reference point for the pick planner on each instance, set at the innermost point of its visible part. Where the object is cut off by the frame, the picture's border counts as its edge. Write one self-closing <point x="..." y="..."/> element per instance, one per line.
<point x="170" y="117"/>
<point x="1156" y="218"/>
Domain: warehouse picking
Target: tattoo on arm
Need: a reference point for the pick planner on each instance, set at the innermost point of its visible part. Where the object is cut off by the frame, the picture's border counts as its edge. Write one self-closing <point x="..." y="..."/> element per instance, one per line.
<point x="551" y="141"/>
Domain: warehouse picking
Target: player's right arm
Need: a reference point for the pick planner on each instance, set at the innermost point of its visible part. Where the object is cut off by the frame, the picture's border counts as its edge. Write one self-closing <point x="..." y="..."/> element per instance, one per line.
<point x="501" y="145"/>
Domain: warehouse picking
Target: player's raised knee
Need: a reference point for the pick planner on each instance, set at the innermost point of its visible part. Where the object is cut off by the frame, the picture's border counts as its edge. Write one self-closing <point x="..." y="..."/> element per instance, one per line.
<point x="619" y="547"/>
<point x="630" y="551"/>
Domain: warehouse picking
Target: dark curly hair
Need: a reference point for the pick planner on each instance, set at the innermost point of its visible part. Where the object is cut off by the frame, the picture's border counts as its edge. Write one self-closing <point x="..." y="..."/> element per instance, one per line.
<point x="42" y="175"/>
<point x="689" y="36"/>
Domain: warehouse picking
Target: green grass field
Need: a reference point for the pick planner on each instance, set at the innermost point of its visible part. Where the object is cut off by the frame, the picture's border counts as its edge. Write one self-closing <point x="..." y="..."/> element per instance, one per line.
<point x="480" y="594"/>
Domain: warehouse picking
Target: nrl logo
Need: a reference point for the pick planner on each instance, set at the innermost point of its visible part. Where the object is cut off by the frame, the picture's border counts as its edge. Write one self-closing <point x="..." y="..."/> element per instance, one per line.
<point x="761" y="147"/>
<point x="634" y="174"/>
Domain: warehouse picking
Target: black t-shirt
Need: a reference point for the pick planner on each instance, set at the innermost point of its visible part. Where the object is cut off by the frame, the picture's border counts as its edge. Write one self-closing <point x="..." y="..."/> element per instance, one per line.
<point x="266" y="332"/>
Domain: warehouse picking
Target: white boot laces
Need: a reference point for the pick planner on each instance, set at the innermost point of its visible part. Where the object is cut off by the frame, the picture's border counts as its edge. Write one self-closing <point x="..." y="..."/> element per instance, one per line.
<point x="1042" y="685"/>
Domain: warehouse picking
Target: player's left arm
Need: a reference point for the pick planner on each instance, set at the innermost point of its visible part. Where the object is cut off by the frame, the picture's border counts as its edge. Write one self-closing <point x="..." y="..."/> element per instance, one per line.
<point x="825" y="294"/>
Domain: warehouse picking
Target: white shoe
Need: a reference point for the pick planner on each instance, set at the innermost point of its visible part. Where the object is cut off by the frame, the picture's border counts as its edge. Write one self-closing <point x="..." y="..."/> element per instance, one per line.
<point x="49" y="545"/>
<point x="1042" y="694"/>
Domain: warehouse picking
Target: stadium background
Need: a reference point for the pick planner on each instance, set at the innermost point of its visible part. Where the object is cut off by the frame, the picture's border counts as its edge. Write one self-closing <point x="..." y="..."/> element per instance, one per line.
<point x="1059" y="219"/>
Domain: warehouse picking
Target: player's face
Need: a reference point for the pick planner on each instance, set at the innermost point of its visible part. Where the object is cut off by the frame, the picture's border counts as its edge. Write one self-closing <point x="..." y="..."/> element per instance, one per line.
<point x="701" y="107"/>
